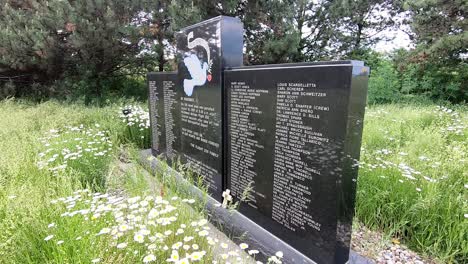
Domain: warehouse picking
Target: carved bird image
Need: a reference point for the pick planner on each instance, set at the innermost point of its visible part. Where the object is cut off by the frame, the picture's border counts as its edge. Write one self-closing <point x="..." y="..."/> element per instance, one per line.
<point x="198" y="72"/>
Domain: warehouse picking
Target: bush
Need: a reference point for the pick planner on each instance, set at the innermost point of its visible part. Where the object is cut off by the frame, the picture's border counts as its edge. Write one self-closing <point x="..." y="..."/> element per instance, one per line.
<point x="7" y="90"/>
<point x="383" y="84"/>
<point x="435" y="79"/>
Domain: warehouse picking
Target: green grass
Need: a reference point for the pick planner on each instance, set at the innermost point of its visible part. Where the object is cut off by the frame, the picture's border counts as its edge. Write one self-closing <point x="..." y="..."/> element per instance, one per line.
<point x="56" y="159"/>
<point x="412" y="184"/>
<point x="413" y="176"/>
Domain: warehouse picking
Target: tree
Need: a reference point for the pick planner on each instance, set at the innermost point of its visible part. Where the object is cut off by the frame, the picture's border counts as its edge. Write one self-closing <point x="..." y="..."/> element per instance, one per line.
<point x="44" y="41"/>
<point x="359" y="23"/>
<point x="438" y="66"/>
<point x="439" y="27"/>
<point x="316" y="25"/>
<point x="269" y="34"/>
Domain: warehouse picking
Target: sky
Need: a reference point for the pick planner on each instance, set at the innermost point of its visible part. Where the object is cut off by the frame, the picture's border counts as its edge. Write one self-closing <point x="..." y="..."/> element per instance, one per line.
<point x="396" y="37"/>
<point x="399" y="39"/>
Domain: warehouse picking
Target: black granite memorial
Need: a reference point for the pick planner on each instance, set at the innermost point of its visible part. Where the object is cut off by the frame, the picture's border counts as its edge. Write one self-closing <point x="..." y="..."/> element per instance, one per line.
<point x="164" y="105"/>
<point x="294" y="135"/>
<point x="191" y="100"/>
<point x="291" y="132"/>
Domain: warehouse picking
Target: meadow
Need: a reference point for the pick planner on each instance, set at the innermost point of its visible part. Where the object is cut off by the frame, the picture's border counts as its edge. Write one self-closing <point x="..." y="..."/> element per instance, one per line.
<point x="413" y="180"/>
<point x="63" y="199"/>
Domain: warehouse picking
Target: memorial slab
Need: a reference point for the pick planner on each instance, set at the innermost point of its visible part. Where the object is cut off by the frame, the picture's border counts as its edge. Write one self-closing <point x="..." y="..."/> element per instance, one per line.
<point x="294" y="136"/>
<point x="196" y="134"/>
<point x="164" y="105"/>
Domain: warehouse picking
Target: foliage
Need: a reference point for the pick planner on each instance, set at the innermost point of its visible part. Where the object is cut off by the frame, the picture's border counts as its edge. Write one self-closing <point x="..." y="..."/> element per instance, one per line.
<point x="412" y="177"/>
<point x="83" y="41"/>
<point x="437" y="66"/>
<point x="383" y="84"/>
<point x="439" y="27"/>
<point x="357" y="24"/>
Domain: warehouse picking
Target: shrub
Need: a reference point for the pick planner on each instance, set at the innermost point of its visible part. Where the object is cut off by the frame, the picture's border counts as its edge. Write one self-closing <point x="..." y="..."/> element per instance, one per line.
<point x="383" y="84"/>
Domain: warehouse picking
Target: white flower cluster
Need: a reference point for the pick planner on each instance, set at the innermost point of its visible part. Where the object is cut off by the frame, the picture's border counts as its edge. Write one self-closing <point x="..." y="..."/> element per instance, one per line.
<point x="150" y="227"/>
<point x="71" y="144"/>
<point x="135" y="116"/>
<point x="456" y="125"/>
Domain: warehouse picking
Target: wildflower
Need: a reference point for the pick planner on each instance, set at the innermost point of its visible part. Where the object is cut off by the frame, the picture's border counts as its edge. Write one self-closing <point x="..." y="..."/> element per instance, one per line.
<point x="139" y="238"/>
<point x="274" y="259"/>
<point x="195" y="247"/>
<point x="418" y="189"/>
<point x="105" y="230"/>
<point x="184" y="261"/>
<point x="96" y="260"/>
<point x="149" y="258"/>
<point x="51" y="225"/>
<point x="153" y="213"/>
<point x="145" y="232"/>
<point x="253" y="252"/>
<point x="197" y="255"/>
<point x="60" y="242"/>
<point x="279" y="254"/>
<point x="203" y="233"/>
<point x="177" y="245"/>
<point x="174" y="256"/>
<point x="243" y="246"/>
<point x="224" y="245"/>
<point x="152" y="247"/>
<point x="122" y="245"/>
<point x="227" y="198"/>
<point x="48" y="237"/>
<point x="423" y="158"/>
<point x="123" y="228"/>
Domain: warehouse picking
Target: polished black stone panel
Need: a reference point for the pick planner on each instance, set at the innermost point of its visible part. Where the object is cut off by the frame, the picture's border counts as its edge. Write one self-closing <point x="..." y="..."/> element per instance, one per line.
<point x="203" y="51"/>
<point x="164" y="110"/>
<point x="294" y="135"/>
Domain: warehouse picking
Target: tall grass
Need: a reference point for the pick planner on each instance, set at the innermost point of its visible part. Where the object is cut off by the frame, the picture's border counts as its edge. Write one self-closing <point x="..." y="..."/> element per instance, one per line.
<point x="25" y="189"/>
<point x="56" y="164"/>
<point x="413" y="177"/>
<point x="412" y="185"/>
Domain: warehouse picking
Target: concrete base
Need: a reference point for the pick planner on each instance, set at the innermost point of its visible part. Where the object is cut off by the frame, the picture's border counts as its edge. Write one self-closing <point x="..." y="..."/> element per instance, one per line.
<point x="239" y="226"/>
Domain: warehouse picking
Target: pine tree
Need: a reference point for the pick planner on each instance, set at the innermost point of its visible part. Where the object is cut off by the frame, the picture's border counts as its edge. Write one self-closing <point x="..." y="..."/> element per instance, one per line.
<point x="269" y="34"/>
<point x="358" y="24"/>
<point x="438" y="64"/>
<point x="46" y="40"/>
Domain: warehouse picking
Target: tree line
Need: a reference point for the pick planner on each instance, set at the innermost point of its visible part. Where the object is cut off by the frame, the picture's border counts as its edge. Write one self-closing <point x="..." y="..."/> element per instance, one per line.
<point x="97" y="48"/>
